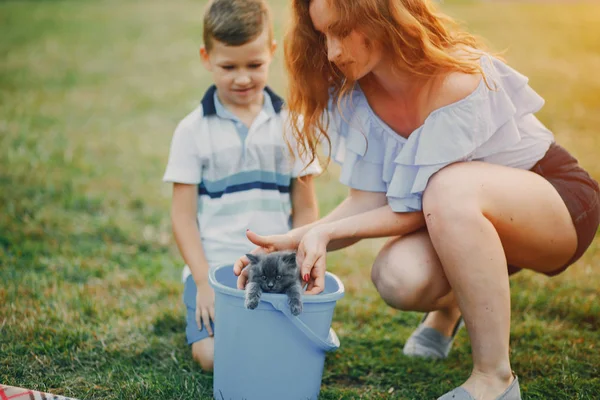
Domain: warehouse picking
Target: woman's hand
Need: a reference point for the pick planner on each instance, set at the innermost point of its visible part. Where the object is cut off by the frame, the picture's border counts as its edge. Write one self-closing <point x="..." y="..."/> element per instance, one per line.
<point x="312" y="258"/>
<point x="205" y="306"/>
<point x="266" y="244"/>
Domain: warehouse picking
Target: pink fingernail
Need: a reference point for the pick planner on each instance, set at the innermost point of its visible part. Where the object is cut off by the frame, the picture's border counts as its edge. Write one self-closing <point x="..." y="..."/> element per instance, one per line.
<point x="306" y="277"/>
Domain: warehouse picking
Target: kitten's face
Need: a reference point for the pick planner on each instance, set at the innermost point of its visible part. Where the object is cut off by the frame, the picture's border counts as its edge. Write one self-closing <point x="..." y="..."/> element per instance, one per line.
<point x="274" y="272"/>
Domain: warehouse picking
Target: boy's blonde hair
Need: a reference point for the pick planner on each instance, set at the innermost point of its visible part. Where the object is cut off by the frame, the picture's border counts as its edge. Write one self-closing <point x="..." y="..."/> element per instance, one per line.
<point x="236" y="22"/>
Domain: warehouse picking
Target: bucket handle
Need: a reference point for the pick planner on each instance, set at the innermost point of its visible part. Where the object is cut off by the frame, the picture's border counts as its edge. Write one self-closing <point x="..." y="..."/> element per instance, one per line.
<point x="331" y="343"/>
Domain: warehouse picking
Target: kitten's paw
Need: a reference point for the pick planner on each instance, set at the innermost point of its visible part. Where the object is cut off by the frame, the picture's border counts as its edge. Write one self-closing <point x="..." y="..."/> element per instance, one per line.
<point x="251" y="304"/>
<point x="296" y="307"/>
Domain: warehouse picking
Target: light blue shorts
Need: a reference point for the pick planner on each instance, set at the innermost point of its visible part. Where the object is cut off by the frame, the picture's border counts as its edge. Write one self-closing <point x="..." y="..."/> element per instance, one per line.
<point x="192" y="332"/>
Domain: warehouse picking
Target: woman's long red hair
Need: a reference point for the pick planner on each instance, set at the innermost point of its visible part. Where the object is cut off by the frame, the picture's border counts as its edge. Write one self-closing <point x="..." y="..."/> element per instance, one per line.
<point x="422" y="41"/>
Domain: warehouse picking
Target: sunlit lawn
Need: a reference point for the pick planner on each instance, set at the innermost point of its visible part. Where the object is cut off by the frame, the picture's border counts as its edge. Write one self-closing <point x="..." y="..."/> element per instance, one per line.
<point x="90" y="300"/>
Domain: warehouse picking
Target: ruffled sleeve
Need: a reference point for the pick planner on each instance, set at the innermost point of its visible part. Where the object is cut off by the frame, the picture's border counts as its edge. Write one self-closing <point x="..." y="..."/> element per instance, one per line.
<point x="361" y="159"/>
<point x="482" y="124"/>
<point x="375" y="158"/>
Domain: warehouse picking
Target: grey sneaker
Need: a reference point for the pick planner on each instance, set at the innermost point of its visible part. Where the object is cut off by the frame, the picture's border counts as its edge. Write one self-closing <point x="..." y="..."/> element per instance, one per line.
<point x="513" y="392"/>
<point x="430" y="343"/>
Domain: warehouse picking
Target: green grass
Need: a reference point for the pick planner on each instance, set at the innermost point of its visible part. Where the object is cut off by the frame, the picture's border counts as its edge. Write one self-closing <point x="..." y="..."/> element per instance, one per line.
<point x="90" y="300"/>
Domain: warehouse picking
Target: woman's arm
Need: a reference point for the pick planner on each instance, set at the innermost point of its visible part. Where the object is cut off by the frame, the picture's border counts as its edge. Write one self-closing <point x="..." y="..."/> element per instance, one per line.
<point x="380" y="222"/>
<point x="305" y="208"/>
<point x="357" y="202"/>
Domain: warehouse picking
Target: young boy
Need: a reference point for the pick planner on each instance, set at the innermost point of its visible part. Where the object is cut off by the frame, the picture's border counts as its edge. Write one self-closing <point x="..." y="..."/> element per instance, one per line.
<point x="229" y="162"/>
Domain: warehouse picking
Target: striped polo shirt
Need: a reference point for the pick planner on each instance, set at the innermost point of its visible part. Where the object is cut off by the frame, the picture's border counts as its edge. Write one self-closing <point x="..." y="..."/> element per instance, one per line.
<point x="244" y="174"/>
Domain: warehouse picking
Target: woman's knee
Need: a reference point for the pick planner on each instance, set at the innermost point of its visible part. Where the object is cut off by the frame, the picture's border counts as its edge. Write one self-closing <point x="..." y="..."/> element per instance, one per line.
<point x="404" y="274"/>
<point x="451" y="194"/>
<point x="203" y="353"/>
<point x="402" y="293"/>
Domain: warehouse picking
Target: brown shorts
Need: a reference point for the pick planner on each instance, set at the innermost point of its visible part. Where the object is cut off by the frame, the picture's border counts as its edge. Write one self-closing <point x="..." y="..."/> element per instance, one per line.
<point x="579" y="192"/>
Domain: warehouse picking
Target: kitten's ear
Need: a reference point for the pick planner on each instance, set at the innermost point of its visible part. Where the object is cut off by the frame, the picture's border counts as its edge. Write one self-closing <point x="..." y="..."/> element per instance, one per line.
<point x="289" y="258"/>
<point x="253" y="259"/>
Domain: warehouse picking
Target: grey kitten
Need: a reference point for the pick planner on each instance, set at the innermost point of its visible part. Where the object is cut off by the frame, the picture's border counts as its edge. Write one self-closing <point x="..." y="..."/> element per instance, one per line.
<point x="275" y="272"/>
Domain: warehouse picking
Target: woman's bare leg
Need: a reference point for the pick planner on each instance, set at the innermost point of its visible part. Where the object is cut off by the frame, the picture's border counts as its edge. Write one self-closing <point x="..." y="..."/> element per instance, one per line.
<point x="409" y="276"/>
<point x="479" y="216"/>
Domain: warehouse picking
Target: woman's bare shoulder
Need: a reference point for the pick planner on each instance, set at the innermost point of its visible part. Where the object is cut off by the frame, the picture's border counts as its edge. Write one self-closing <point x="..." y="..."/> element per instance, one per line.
<point x="453" y="88"/>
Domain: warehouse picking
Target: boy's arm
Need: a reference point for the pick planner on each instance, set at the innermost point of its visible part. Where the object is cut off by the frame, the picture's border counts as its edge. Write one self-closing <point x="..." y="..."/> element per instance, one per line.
<point x="187" y="236"/>
<point x="305" y="208"/>
<point x="185" y="228"/>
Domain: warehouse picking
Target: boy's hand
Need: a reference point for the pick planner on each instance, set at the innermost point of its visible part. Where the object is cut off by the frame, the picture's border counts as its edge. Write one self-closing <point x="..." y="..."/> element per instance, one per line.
<point x="205" y="306"/>
<point x="266" y="244"/>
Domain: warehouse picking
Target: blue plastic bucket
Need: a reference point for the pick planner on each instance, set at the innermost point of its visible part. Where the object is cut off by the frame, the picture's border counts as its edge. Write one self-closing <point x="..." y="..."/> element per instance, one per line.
<point x="267" y="353"/>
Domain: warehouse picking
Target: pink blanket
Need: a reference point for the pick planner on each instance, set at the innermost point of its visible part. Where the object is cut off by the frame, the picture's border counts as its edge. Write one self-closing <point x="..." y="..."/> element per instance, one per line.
<point x="11" y="392"/>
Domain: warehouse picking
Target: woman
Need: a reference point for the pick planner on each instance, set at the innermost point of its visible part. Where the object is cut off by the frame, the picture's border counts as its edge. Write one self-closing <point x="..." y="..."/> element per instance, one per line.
<point x="442" y="153"/>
